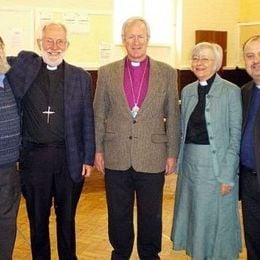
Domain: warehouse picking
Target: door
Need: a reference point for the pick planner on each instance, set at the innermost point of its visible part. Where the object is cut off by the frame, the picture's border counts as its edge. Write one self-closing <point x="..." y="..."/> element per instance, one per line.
<point x="219" y="37"/>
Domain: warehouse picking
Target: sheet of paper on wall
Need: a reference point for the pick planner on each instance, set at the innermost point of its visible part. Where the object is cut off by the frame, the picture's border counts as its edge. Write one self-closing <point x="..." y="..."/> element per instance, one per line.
<point x="17" y="29"/>
<point x="16" y="40"/>
<point x="43" y="17"/>
<point x="105" y="52"/>
<point x="76" y="22"/>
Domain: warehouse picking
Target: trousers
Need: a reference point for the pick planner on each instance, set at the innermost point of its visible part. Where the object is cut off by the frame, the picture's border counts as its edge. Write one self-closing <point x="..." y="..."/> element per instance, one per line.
<point x="9" y="203"/>
<point x="250" y="198"/>
<point x="122" y="189"/>
<point x="46" y="182"/>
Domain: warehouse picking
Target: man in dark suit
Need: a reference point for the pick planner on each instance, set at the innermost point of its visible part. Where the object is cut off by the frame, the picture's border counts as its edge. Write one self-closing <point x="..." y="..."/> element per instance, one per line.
<point x="58" y="142"/>
<point x="250" y="149"/>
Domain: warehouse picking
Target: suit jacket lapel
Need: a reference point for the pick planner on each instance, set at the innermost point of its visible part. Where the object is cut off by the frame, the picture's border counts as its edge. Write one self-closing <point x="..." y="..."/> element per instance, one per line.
<point x="247" y="94"/>
<point x="68" y="89"/>
<point x="117" y="80"/>
<point x="32" y="74"/>
<point x="153" y="85"/>
<point x="119" y="83"/>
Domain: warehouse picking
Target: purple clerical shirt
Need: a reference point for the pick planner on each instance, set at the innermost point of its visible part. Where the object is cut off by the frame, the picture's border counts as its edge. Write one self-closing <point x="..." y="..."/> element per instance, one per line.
<point x="136" y="80"/>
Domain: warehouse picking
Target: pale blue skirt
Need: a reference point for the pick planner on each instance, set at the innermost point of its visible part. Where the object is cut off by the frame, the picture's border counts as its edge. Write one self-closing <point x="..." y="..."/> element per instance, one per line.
<point x="205" y="223"/>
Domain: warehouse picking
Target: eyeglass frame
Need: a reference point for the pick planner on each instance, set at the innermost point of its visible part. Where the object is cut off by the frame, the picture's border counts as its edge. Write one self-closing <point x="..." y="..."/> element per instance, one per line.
<point x="204" y="60"/>
<point x="133" y="37"/>
<point x="59" y="42"/>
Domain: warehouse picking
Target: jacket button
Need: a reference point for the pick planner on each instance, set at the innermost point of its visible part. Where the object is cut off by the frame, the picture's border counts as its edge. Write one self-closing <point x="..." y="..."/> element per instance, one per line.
<point x="134" y="121"/>
<point x="130" y="137"/>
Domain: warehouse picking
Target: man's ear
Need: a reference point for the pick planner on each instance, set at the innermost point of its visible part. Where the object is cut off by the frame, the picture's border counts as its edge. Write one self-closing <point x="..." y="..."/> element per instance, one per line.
<point x="39" y="44"/>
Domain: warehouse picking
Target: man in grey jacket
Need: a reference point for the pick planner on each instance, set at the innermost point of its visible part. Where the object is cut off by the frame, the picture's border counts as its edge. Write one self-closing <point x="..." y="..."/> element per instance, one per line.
<point x="135" y="146"/>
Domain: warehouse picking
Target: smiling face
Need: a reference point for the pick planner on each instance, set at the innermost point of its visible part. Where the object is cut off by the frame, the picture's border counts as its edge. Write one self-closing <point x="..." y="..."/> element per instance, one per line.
<point x="252" y="59"/>
<point x="53" y="44"/>
<point x="4" y="66"/>
<point x="2" y="57"/>
<point x="203" y="63"/>
<point x="135" y="40"/>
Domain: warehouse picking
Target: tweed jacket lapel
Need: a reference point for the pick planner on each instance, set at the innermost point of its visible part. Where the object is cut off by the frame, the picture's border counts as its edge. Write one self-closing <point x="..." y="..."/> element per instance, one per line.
<point x="117" y="77"/>
<point x="153" y="86"/>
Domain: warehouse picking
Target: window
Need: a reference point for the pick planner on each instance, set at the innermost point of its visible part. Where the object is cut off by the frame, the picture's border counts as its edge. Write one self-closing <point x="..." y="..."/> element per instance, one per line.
<point x="158" y="13"/>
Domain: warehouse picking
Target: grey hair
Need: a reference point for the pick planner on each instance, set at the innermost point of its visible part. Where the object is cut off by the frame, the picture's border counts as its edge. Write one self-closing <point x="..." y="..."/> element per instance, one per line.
<point x="1" y="41"/>
<point x="58" y="24"/>
<point x="214" y="47"/>
<point x="45" y="26"/>
<point x="132" y="20"/>
<point x="251" y="39"/>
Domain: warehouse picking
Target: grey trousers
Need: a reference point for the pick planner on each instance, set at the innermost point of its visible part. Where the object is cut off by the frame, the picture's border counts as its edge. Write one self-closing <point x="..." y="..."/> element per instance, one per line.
<point x="9" y="202"/>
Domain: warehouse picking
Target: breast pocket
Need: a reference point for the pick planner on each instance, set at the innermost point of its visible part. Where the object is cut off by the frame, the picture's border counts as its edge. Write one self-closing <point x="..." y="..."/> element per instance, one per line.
<point x="159" y="138"/>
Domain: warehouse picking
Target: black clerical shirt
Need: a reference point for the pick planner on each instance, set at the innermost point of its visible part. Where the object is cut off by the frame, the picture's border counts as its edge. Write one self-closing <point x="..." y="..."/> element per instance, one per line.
<point x="46" y="91"/>
<point x="197" y="130"/>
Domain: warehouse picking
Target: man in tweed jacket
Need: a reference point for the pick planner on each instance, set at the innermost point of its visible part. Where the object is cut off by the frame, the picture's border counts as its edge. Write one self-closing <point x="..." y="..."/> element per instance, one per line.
<point x="135" y="146"/>
<point x="58" y="138"/>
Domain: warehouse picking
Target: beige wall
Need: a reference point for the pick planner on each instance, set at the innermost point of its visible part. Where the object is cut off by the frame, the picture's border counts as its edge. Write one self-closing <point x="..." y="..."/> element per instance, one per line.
<point x="219" y="15"/>
<point x="97" y="5"/>
<point x="84" y="49"/>
<point x="249" y="20"/>
<point x="249" y="10"/>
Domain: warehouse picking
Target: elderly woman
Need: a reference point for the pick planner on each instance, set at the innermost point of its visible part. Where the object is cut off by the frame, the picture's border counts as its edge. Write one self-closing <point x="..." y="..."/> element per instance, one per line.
<point x="206" y="222"/>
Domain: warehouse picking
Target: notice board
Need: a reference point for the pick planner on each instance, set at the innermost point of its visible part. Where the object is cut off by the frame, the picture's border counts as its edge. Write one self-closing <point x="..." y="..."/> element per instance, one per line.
<point x="17" y="29"/>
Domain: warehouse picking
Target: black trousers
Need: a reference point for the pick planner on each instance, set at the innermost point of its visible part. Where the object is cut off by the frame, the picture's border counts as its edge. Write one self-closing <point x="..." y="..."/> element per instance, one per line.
<point x="45" y="180"/>
<point x="121" y="189"/>
<point x="10" y="194"/>
<point x="250" y="197"/>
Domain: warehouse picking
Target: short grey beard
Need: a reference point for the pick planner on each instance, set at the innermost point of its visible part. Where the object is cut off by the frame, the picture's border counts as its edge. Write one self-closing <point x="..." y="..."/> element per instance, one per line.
<point x="50" y="63"/>
<point x="4" y="68"/>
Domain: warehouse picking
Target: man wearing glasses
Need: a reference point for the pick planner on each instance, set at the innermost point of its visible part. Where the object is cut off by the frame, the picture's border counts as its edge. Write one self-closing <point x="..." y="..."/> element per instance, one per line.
<point x="58" y="143"/>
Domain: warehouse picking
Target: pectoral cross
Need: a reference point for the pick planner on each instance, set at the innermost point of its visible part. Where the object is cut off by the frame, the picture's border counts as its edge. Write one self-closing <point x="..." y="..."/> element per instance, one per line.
<point x="48" y="112"/>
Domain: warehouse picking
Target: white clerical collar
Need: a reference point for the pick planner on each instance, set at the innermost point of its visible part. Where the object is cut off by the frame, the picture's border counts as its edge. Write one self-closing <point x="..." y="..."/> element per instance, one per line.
<point x="51" y="67"/>
<point x="135" y="63"/>
<point x="203" y="83"/>
<point x="258" y="86"/>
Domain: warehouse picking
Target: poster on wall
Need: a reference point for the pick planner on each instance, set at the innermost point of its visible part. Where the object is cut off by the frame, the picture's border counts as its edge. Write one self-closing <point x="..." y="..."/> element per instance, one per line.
<point x="18" y="29"/>
<point x="76" y="22"/>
